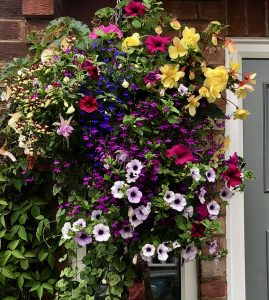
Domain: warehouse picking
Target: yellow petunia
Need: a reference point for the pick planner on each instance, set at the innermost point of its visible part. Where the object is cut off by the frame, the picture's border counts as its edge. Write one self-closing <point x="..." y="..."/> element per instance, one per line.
<point x="241" y="114"/>
<point x="204" y="92"/>
<point x="131" y="41"/>
<point x="190" y="38"/>
<point x="177" y="50"/>
<point x="193" y="104"/>
<point x="175" y="24"/>
<point x="171" y="75"/>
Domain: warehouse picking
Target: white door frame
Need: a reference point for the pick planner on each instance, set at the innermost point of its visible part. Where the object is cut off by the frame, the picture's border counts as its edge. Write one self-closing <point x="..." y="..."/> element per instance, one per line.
<point x="247" y="48"/>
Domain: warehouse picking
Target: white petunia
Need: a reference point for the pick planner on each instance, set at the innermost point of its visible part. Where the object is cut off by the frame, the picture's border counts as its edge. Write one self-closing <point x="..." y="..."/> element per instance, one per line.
<point x="117" y="189"/>
<point x="142" y="212"/>
<point x="189" y="252"/>
<point x="78" y="225"/>
<point x="182" y="89"/>
<point x="131" y="177"/>
<point x="169" y="196"/>
<point x="121" y="156"/>
<point x="134" y="195"/>
<point x="178" y="203"/>
<point x="188" y="212"/>
<point x="148" y="250"/>
<point x="126" y="232"/>
<point x="101" y="232"/>
<point x="213" y="208"/>
<point x="134" y="166"/>
<point x="195" y="174"/>
<point x="201" y="195"/>
<point x="134" y="221"/>
<point x="213" y="247"/>
<point x="211" y="175"/>
<point x="162" y="252"/>
<point x="65" y="231"/>
<point x="226" y="193"/>
<point x="96" y="214"/>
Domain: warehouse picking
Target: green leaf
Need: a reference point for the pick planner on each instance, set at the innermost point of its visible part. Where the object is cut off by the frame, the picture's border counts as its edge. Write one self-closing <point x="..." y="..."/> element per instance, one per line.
<point x="20" y="281"/>
<point x="10" y="298"/>
<point x="56" y="189"/>
<point x="51" y="260"/>
<point x="18" y="254"/>
<point x="40" y="292"/>
<point x="17" y="183"/>
<point x="181" y="222"/>
<point x="48" y="287"/>
<point x="136" y="23"/>
<point x="2" y="233"/>
<point x="14" y="217"/>
<point x="42" y="255"/>
<point x="13" y="245"/>
<point x="24" y="264"/>
<point x="22" y="233"/>
<point x="27" y="276"/>
<point x="173" y="119"/>
<point x="7" y="272"/>
<point x="2" y="221"/>
<point x="22" y="219"/>
<point x="35" y="287"/>
<point x="3" y="202"/>
<point x="4" y="258"/>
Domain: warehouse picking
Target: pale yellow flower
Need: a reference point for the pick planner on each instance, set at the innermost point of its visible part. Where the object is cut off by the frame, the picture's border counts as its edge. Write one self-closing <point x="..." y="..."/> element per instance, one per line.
<point x="65" y="45"/>
<point x="193" y="104"/>
<point x="204" y="92"/>
<point x="234" y="67"/>
<point x="175" y="24"/>
<point x="225" y="146"/>
<point x="171" y="75"/>
<point x="177" y="50"/>
<point x="12" y="122"/>
<point x="158" y="30"/>
<point x="125" y="84"/>
<point x="241" y="114"/>
<point x="6" y="94"/>
<point x="242" y="90"/>
<point x="190" y="38"/>
<point x="131" y="41"/>
<point x="192" y="75"/>
<point x="48" y="54"/>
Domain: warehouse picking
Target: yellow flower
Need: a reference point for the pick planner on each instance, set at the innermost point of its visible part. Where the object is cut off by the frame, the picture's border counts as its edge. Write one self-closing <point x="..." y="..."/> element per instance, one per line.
<point x="193" y="104"/>
<point x="241" y="114"/>
<point x="177" y="50"/>
<point x="12" y="122"/>
<point x="229" y="44"/>
<point x="204" y="92"/>
<point x="190" y="38"/>
<point x="158" y="30"/>
<point x="242" y="90"/>
<point x="131" y="41"/>
<point x="47" y="55"/>
<point x="215" y="22"/>
<point x="215" y="82"/>
<point x="192" y="75"/>
<point x="234" y="67"/>
<point x="65" y="45"/>
<point x="224" y="147"/>
<point x="171" y="75"/>
<point x="175" y="24"/>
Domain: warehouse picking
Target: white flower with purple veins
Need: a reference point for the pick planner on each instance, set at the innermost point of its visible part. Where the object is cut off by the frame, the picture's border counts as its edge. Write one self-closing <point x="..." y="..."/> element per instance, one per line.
<point x="211" y="175"/>
<point x="226" y="193"/>
<point x="65" y="230"/>
<point x="117" y="189"/>
<point x="64" y="128"/>
<point x="169" y="196"/>
<point x="134" y="195"/>
<point x="182" y="89"/>
<point x="189" y="252"/>
<point x="188" y="212"/>
<point x="126" y="232"/>
<point x="83" y="238"/>
<point x="96" y="214"/>
<point x="195" y="174"/>
<point x="201" y="195"/>
<point x="148" y="250"/>
<point x="162" y="252"/>
<point x="134" y="221"/>
<point x="176" y="245"/>
<point x="213" y="208"/>
<point x="131" y="177"/>
<point x="213" y="247"/>
<point x="134" y="166"/>
<point x="142" y="212"/>
<point x="179" y="202"/>
<point x="101" y="232"/>
<point x="78" y="225"/>
<point x="122" y="156"/>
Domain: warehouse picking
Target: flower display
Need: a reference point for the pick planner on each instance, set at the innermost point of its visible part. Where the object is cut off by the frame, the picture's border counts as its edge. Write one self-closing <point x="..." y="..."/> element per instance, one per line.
<point x="116" y="126"/>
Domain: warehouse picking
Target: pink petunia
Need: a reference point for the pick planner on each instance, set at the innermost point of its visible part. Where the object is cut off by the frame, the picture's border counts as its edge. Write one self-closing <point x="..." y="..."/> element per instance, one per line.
<point x="157" y="43"/>
<point x="181" y="153"/>
<point x="111" y="28"/>
<point x="134" y="9"/>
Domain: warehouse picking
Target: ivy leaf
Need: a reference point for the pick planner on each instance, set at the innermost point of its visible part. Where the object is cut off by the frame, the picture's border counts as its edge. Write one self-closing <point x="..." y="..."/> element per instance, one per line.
<point x="22" y="233"/>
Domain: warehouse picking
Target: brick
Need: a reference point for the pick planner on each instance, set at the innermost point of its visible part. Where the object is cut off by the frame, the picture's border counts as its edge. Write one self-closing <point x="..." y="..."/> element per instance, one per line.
<point x="35" y="25"/>
<point x="214" y="288"/>
<point x="10" y="9"/>
<point x="212" y="269"/>
<point x="236" y="17"/>
<point x="184" y="10"/>
<point x="38" y="8"/>
<point x="215" y="56"/>
<point x="12" y="30"/>
<point x="215" y="298"/>
<point x="8" y="50"/>
<point x="213" y="11"/>
<point x="257" y="23"/>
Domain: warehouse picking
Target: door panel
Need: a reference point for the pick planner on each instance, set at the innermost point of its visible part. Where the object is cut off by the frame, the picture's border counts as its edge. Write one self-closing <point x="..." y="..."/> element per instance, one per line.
<point x="256" y="153"/>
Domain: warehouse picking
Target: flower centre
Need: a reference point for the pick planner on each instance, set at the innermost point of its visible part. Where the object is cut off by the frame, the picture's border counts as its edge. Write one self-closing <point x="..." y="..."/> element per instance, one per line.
<point x="101" y="232"/>
<point x="133" y="194"/>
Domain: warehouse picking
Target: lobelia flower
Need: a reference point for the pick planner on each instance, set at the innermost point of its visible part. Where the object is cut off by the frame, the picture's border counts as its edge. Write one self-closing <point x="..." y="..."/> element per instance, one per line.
<point x="134" y="195"/>
<point x="213" y="247"/>
<point x="226" y="193"/>
<point x="211" y="175"/>
<point x="182" y="89"/>
<point x="157" y="43"/>
<point x="134" y="166"/>
<point x="134" y="9"/>
<point x="148" y="250"/>
<point x="117" y="189"/>
<point x="101" y="233"/>
<point x="195" y="174"/>
<point x="189" y="252"/>
<point x="188" y="212"/>
<point x="78" y="225"/>
<point x="171" y="75"/>
<point x="198" y="230"/>
<point x="181" y="153"/>
<point x="83" y="238"/>
<point x="88" y="104"/>
<point x="64" y="128"/>
<point x="122" y="156"/>
<point x="162" y="252"/>
<point x="96" y="214"/>
<point x="178" y="203"/>
<point x="126" y="232"/>
<point x="169" y="196"/>
<point x="201" y="195"/>
<point x="65" y="231"/>
<point x="213" y="208"/>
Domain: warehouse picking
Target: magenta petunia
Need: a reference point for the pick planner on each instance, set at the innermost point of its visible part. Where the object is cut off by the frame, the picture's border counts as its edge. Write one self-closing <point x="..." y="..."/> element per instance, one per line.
<point x="198" y="230"/>
<point x="181" y="153"/>
<point x="134" y="9"/>
<point x="202" y="212"/>
<point x="157" y="43"/>
<point x="91" y="69"/>
<point x="88" y="104"/>
<point x="232" y="176"/>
